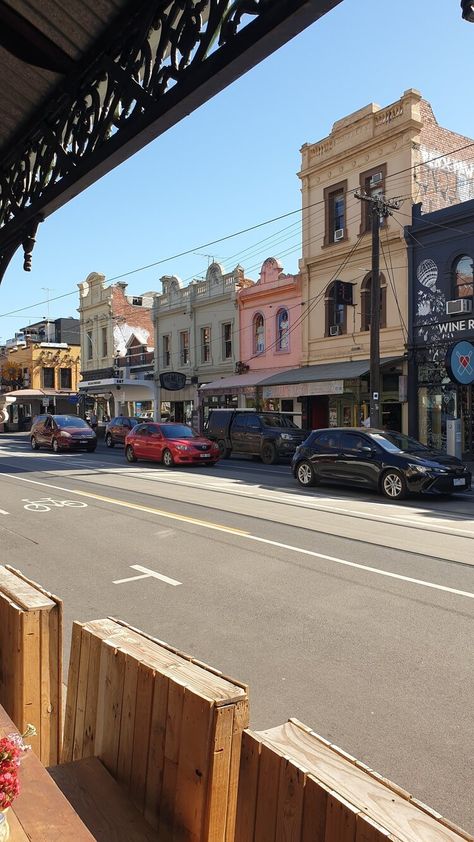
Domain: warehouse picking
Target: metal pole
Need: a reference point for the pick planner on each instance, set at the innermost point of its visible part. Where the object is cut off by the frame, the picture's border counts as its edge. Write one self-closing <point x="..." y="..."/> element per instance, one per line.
<point x="375" y="419"/>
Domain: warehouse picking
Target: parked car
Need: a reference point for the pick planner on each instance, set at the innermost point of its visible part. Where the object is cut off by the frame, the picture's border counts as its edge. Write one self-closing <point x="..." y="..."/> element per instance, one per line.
<point x="171" y="444"/>
<point x="62" y="432"/>
<point x="387" y="461"/>
<point x="269" y="435"/>
<point x="118" y="429"/>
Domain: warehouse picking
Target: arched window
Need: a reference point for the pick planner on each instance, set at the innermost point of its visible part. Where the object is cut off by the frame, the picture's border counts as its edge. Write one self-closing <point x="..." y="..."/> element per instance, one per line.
<point x="463" y="277"/>
<point x="258" y="334"/>
<point x="365" y="302"/>
<point x="282" y="330"/>
<point x="336" y="312"/>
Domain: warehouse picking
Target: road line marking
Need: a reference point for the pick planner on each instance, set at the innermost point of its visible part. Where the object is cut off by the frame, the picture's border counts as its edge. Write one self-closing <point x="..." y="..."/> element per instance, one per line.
<point x="3" y="512"/>
<point x="248" y="536"/>
<point x="147" y="574"/>
<point x="136" y="506"/>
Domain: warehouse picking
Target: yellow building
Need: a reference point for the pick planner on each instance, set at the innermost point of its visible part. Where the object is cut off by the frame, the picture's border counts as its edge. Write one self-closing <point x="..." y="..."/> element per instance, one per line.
<point x="397" y="151"/>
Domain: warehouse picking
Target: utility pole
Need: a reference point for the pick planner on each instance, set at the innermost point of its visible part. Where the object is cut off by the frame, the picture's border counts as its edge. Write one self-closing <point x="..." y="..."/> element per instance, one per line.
<point x="379" y="208"/>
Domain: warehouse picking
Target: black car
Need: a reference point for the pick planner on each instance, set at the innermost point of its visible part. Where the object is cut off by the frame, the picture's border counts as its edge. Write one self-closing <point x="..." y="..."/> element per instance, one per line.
<point x="387" y="461"/>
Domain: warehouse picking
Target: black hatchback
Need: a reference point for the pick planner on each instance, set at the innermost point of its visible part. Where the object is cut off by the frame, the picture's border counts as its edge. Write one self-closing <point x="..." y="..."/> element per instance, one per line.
<point x="387" y="461"/>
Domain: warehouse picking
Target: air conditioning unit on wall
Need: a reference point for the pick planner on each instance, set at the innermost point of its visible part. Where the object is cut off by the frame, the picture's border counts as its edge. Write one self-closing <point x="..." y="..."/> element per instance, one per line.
<point x="377" y="178"/>
<point x="334" y="330"/>
<point x="460" y="305"/>
<point x="338" y="234"/>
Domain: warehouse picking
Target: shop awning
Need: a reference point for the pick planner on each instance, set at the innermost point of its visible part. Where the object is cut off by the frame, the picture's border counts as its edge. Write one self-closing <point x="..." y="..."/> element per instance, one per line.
<point x="239" y="381"/>
<point x="326" y="371"/>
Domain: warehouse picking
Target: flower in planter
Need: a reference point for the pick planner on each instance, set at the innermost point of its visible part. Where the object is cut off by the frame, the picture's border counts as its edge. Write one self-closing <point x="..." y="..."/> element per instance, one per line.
<point x="12" y="749"/>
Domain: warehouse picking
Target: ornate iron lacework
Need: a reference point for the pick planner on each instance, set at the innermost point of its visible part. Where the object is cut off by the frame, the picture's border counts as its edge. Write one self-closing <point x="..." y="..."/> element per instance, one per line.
<point x="153" y="60"/>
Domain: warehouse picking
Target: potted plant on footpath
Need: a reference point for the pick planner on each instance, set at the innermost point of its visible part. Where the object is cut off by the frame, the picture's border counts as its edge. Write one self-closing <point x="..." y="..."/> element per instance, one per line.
<point x="12" y="749"/>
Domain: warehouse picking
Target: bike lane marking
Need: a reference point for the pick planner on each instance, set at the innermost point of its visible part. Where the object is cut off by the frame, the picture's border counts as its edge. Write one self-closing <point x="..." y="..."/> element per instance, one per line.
<point x="147" y="574"/>
<point x="3" y="512"/>
<point x="249" y="537"/>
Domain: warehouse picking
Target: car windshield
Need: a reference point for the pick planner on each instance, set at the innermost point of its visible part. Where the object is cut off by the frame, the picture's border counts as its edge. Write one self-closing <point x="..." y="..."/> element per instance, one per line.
<point x="69" y="421"/>
<point x="397" y="442"/>
<point x="270" y="420"/>
<point x="177" y="431"/>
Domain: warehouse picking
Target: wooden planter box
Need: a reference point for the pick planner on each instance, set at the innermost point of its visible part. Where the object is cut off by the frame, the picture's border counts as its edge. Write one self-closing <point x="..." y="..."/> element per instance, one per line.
<point x="166" y="727"/>
<point x="31" y="660"/>
<point x="294" y="785"/>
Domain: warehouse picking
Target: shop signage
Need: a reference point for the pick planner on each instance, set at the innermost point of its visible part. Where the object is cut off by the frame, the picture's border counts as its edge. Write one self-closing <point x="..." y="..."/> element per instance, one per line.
<point x="448" y="328"/>
<point x="460" y="363"/>
<point x="111" y="381"/>
<point x="296" y="390"/>
<point x="172" y="381"/>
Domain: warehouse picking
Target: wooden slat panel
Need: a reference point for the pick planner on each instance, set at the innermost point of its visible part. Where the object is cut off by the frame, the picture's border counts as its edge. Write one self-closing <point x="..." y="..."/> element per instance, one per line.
<point x="192" y="779"/>
<point x="290" y="803"/>
<point x="92" y="696"/>
<point x="25" y="593"/>
<point x="368" y="831"/>
<point x="71" y="696"/>
<point x="156" y="753"/>
<point x="47" y="692"/>
<point x="248" y="785"/>
<point x="241" y="721"/>
<point x="55" y="683"/>
<point x="141" y="735"/>
<point x="267" y="794"/>
<point x="170" y="767"/>
<point x="81" y="697"/>
<point x="31" y="657"/>
<point x="109" y="705"/>
<point x="221" y="742"/>
<point x="127" y="722"/>
<point x="340" y="819"/>
<point x="314" y="811"/>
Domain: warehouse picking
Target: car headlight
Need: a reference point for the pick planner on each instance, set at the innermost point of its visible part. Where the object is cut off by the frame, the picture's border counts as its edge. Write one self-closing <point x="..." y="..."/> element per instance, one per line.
<point x="182" y="447"/>
<point x="65" y="434"/>
<point x="286" y="436"/>
<point x="420" y="469"/>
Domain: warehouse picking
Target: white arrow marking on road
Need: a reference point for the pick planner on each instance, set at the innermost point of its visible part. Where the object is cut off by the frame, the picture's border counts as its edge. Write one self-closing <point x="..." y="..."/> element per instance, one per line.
<point x="147" y="574"/>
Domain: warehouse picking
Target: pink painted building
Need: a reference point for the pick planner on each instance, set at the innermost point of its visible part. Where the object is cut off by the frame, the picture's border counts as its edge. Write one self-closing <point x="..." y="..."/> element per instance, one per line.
<point x="270" y="320"/>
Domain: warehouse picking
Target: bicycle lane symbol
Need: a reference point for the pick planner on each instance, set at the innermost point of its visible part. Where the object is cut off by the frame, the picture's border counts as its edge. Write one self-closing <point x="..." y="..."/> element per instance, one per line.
<point x="45" y="504"/>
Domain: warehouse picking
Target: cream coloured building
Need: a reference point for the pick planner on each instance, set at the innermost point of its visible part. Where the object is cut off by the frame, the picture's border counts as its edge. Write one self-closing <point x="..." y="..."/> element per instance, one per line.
<point x="399" y="151"/>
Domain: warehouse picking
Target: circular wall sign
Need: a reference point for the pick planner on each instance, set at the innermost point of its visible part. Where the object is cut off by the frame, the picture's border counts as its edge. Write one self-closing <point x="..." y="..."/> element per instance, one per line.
<point x="460" y="363"/>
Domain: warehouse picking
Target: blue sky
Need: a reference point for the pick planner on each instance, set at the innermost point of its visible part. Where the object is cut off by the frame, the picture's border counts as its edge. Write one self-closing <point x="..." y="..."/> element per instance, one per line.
<point x="233" y="163"/>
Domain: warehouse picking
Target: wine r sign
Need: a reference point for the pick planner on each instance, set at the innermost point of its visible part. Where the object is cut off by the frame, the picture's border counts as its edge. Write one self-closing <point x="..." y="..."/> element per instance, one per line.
<point x="172" y="381"/>
<point x="460" y="363"/>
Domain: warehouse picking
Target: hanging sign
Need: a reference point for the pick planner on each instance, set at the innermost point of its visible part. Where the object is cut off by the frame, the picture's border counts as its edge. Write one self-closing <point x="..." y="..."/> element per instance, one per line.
<point x="172" y="380"/>
<point x="460" y="363"/>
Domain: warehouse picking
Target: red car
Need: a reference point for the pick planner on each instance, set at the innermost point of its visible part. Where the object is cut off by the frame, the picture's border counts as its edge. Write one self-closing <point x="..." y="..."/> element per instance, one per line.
<point x="171" y="444"/>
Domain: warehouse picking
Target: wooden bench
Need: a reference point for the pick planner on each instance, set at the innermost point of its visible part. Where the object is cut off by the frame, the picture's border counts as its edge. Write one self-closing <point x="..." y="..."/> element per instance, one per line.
<point x="294" y="785"/>
<point x="166" y="727"/>
<point x="31" y="660"/>
<point x="41" y="813"/>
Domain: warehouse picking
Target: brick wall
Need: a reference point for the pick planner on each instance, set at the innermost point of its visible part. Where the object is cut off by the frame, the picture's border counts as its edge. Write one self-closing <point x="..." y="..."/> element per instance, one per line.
<point x="450" y="179"/>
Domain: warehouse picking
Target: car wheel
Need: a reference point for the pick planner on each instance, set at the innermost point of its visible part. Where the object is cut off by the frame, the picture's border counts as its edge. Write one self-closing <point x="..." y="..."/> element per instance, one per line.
<point x="223" y="449"/>
<point x="168" y="460"/>
<point x="109" y="440"/>
<point x="305" y="474"/>
<point x="129" y="454"/>
<point x="269" y="454"/>
<point x="393" y="485"/>
<point x="34" y="444"/>
<point x="55" y="446"/>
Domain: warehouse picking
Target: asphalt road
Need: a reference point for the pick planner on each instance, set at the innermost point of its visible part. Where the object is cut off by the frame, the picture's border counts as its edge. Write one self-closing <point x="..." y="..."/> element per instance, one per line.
<point x="349" y="612"/>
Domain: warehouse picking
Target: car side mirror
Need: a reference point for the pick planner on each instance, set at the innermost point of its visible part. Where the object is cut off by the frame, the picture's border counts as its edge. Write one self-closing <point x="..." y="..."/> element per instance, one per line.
<point x="368" y="450"/>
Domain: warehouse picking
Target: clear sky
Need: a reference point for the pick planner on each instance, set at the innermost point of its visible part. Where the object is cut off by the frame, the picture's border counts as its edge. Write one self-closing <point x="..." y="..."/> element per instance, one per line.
<point x="233" y="163"/>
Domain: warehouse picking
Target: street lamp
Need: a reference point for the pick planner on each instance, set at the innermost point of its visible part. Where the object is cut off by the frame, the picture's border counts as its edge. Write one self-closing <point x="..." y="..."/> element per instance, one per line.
<point x="467" y="10"/>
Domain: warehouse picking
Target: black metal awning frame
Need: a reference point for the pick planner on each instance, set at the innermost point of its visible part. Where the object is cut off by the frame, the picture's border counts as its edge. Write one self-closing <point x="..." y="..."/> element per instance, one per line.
<point x="156" y="64"/>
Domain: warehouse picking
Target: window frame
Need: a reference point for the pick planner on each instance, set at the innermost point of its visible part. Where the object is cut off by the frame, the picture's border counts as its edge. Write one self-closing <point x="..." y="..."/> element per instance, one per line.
<point x="184" y="347"/>
<point x="364" y="178"/>
<point x="227" y="342"/>
<point x="329" y="227"/>
<point x="89" y="345"/>
<point x="166" y="350"/>
<point x="329" y="299"/>
<point x="48" y="385"/>
<point x="256" y="350"/>
<point x="67" y="386"/>
<point x="454" y="285"/>
<point x="365" y="299"/>
<point x="104" y="342"/>
<point x="206" y="356"/>
<point x="278" y="348"/>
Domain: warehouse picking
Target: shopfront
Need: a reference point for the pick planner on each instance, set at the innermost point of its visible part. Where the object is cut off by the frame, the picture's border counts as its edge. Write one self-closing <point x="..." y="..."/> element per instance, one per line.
<point x="441" y="359"/>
